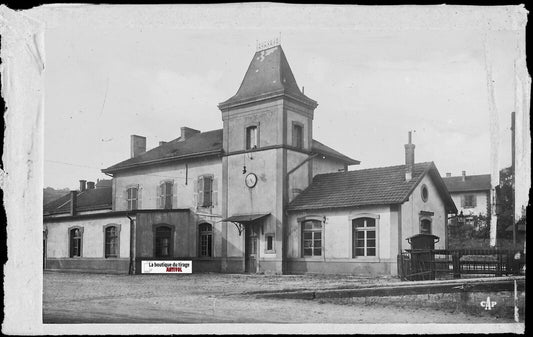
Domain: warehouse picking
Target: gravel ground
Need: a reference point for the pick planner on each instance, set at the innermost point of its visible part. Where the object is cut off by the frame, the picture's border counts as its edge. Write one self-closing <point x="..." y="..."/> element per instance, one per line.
<point x="224" y="298"/>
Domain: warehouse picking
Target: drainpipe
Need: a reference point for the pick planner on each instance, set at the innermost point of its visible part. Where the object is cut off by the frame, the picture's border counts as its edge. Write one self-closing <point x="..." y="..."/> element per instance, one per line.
<point x="131" y="270"/>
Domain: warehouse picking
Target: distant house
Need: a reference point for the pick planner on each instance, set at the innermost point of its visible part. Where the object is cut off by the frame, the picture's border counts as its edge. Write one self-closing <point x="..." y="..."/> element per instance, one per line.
<point x="471" y="194"/>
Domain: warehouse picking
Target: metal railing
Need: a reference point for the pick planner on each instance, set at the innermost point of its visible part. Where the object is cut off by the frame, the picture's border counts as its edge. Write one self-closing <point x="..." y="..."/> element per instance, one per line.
<point x="429" y="264"/>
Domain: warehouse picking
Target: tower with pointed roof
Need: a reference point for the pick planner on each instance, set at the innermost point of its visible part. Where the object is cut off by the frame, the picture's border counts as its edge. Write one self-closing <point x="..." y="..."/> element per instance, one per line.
<point x="267" y="134"/>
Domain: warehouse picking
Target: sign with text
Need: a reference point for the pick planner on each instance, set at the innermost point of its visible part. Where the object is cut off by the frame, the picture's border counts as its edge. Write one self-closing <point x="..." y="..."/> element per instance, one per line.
<point x="166" y="267"/>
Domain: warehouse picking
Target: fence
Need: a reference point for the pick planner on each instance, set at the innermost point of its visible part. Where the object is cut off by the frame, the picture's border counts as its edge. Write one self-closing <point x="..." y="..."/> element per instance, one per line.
<point x="428" y="264"/>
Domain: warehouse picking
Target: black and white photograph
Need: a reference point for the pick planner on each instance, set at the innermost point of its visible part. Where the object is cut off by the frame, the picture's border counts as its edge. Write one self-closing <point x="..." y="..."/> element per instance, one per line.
<point x="265" y="168"/>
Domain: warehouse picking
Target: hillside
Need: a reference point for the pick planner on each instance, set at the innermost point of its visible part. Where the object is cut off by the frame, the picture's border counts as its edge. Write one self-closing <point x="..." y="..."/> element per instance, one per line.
<point x="50" y="193"/>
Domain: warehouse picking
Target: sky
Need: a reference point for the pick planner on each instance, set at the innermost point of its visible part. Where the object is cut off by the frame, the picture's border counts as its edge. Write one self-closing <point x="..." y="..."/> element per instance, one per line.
<point x="106" y="82"/>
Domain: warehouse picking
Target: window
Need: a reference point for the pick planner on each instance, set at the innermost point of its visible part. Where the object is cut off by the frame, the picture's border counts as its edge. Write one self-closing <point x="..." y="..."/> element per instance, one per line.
<point x="312" y="238"/>
<point x="163" y="237"/>
<point x="424" y="192"/>
<point x="425" y="226"/>
<point x="364" y="237"/>
<point x="112" y="236"/>
<point x="133" y="195"/>
<point x="165" y="195"/>
<point x="269" y="238"/>
<point x="252" y="137"/>
<point x="75" y="240"/>
<point x="205" y="191"/>
<point x="297" y="136"/>
<point x="206" y="240"/>
<point x="469" y="201"/>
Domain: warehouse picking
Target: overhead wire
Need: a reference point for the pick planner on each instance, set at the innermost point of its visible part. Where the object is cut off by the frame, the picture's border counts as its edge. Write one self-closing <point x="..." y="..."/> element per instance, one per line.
<point x="144" y="174"/>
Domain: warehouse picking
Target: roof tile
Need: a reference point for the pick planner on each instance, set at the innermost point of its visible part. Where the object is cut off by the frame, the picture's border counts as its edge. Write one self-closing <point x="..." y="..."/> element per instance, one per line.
<point x="207" y="143"/>
<point x="268" y="73"/>
<point x="92" y="199"/>
<point x="375" y="186"/>
<point x="472" y="183"/>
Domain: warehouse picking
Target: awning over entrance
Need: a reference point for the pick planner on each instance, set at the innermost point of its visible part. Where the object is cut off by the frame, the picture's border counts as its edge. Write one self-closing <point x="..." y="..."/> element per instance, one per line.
<point x="243" y="219"/>
<point x="246" y="217"/>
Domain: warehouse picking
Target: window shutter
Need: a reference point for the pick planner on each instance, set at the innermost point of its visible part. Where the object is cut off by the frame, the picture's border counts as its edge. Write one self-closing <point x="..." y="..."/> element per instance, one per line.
<point x="158" y="196"/>
<point x="195" y="193"/>
<point x="200" y="191"/>
<point x="125" y="199"/>
<point x="215" y="192"/>
<point x="167" y="197"/>
<point x="462" y="201"/>
<point x="139" y="197"/>
<point x="208" y="191"/>
<point x="474" y="201"/>
<point x="175" y="195"/>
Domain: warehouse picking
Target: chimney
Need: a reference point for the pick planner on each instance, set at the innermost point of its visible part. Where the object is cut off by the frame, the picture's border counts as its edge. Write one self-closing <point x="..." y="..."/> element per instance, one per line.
<point x="161" y="143"/>
<point x="187" y="133"/>
<point x="138" y="145"/>
<point x="82" y="185"/>
<point x="90" y="185"/>
<point x="464" y="176"/>
<point x="448" y="174"/>
<point x="73" y="202"/>
<point x="409" y="159"/>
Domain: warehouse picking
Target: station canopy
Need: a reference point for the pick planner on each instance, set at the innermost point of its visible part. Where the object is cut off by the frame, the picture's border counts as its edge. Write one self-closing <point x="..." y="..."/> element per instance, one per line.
<point x="246" y="218"/>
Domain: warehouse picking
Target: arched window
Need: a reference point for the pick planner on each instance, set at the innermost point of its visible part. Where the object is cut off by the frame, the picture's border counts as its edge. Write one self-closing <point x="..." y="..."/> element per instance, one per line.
<point x="112" y="236"/>
<point x="75" y="241"/>
<point x="312" y="238"/>
<point x="163" y="247"/>
<point x="206" y="240"/>
<point x="364" y="237"/>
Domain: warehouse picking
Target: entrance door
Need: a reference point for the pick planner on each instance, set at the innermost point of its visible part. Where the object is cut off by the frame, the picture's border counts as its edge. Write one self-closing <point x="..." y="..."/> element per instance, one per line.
<point x="250" y="249"/>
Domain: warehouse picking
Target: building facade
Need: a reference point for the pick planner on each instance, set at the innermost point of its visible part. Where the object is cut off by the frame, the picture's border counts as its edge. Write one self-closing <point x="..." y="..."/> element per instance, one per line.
<point x="230" y="200"/>
<point x="472" y="195"/>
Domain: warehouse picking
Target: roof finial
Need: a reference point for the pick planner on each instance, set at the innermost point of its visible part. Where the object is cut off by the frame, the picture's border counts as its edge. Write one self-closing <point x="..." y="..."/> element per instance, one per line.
<point x="268" y="43"/>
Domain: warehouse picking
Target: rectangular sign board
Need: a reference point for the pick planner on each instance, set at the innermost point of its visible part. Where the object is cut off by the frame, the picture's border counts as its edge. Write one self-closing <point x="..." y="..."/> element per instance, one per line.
<point x="166" y="267"/>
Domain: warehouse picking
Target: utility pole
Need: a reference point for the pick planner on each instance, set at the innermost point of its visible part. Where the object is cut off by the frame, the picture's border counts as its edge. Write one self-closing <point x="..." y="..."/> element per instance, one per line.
<point x="513" y="173"/>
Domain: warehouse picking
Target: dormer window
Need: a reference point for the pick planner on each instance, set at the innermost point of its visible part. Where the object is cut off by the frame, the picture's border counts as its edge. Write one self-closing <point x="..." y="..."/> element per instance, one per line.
<point x="252" y="137"/>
